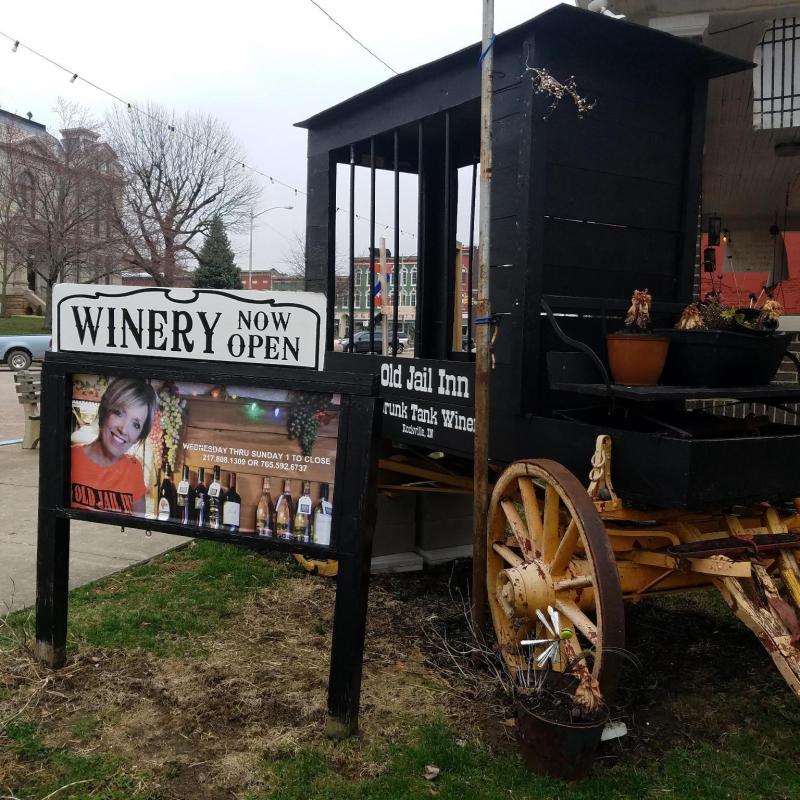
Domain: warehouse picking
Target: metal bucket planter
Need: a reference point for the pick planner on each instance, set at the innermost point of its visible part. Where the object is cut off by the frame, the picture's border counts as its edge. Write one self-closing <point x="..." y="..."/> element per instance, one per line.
<point x="559" y="749"/>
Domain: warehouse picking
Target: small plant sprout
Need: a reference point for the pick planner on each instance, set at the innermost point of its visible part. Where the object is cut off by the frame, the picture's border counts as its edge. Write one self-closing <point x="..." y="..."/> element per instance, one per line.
<point x="553" y="645"/>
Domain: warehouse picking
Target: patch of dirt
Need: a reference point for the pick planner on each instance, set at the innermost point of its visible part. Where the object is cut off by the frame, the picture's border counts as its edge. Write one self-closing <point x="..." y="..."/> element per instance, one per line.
<point x="260" y="693"/>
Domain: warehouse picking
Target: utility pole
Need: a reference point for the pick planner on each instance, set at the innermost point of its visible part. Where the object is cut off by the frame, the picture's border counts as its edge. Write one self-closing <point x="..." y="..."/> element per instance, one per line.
<point x="480" y="505"/>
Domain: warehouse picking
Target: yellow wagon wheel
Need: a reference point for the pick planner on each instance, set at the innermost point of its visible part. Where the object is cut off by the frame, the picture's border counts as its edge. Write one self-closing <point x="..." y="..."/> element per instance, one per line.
<point x="547" y="548"/>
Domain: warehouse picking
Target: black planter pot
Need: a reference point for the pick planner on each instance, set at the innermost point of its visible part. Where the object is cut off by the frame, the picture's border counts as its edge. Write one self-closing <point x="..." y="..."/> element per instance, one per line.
<point x="560" y="749"/>
<point x="723" y="358"/>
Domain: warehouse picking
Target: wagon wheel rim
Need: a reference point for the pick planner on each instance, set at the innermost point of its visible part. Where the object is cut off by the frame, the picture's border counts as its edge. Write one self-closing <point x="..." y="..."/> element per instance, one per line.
<point x="547" y="547"/>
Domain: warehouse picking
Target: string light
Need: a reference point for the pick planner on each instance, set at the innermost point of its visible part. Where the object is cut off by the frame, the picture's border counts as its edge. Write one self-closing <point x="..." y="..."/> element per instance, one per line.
<point x="131" y="107"/>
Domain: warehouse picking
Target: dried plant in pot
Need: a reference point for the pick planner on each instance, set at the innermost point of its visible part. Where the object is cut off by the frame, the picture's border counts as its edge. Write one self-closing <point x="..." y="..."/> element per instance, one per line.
<point x="714" y="344"/>
<point x="636" y="355"/>
<point x="559" y="707"/>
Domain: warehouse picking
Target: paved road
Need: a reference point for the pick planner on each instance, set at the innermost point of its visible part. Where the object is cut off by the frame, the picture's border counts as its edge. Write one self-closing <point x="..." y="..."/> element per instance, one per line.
<point x="12" y="417"/>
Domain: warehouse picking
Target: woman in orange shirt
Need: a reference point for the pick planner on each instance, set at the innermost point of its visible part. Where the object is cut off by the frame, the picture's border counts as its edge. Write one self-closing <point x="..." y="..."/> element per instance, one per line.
<point x="104" y="476"/>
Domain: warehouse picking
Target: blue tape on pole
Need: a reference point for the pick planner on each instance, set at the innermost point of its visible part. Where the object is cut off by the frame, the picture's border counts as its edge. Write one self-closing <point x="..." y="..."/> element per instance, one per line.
<point x="488" y="48"/>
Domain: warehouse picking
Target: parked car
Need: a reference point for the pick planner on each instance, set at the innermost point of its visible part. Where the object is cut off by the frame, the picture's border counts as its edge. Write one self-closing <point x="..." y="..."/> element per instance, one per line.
<point x="360" y="342"/>
<point x="19" y="351"/>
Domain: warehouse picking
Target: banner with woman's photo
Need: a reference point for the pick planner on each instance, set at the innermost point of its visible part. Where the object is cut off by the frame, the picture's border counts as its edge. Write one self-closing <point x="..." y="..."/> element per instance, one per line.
<point x="240" y="459"/>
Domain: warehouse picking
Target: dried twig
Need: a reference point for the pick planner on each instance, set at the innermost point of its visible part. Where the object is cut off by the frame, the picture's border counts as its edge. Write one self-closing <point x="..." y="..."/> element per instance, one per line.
<point x="545" y="83"/>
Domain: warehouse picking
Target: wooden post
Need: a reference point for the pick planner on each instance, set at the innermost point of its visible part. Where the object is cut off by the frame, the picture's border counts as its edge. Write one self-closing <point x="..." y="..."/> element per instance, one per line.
<point x="480" y="505"/>
<point x="52" y="553"/>
<point x="355" y="529"/>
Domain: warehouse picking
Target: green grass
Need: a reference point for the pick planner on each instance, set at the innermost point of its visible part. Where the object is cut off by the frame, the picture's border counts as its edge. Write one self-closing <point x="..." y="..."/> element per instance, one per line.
<point x="10" y="326"/>
<point x="747" y="765"/>
<point x="739" y="739"/>
<point x="164" y="607"/>
<point x="99" y="777"/>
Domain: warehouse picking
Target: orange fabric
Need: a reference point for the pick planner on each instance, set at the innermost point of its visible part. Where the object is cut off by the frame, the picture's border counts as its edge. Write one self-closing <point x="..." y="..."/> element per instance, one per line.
<point x="113" y="488"/>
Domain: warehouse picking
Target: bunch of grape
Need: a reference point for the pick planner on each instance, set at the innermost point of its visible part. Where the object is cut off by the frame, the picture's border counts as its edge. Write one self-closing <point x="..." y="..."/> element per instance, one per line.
<point x="171" y="421"/>
<point x="156" y="439"/>
<point x="304" y="416"/>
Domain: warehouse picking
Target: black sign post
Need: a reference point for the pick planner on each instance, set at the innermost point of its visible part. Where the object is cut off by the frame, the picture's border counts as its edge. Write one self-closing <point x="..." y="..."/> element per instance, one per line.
<point x="353" y="512"/>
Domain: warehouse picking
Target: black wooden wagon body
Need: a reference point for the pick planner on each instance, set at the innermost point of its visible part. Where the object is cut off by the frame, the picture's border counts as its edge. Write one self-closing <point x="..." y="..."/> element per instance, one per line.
<point x="585" y="208"/>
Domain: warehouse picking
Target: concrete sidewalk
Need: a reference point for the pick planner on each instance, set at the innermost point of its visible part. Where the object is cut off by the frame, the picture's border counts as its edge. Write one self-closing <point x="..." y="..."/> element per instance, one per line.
<point x="95" y="550"/>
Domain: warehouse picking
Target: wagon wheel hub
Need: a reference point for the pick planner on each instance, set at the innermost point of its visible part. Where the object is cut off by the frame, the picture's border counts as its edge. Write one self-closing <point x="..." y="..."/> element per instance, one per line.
<point x="521" y="590"/>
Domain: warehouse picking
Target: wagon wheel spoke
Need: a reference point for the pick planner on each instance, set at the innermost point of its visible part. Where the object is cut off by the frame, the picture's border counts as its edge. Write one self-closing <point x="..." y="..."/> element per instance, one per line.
<point x="533" y="514"/>
<point x="581" y="622"/>
<point x="507" y="554"/>
<point x="552" y="519"/>
<point x="565" y="550"/>
<point x="519" y="529"/>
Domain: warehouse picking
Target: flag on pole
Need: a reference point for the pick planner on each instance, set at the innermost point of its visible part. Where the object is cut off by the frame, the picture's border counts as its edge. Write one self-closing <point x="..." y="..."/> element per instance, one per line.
<point x="376" y="291"/>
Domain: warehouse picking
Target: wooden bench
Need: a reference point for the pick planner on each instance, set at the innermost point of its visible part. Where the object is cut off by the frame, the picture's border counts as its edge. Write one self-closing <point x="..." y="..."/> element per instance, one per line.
<point x="29" y="389"/>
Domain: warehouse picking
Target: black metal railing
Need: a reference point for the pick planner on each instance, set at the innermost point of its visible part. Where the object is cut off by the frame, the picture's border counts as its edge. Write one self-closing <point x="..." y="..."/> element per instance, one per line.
<point x="776" y="82"/>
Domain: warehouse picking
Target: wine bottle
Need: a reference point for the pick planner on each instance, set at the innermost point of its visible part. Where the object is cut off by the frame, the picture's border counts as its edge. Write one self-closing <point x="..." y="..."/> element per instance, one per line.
<point x="323" y="516"/>
<point x="167" y="497"/>
<point x="232" y="506"/>
<point x="215" y="501"/>
<point x="302" y="517"/>
<point x="200" y="499"/>
<point x="265" y="512"/>
<point x="284" y="511"/>
<point x="185" y="498"/>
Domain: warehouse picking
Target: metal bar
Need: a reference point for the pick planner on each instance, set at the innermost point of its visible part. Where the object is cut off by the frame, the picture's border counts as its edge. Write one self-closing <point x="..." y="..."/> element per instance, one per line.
<point x="420" y="239"/>
<point x="471" y="255"/>
<point x="352" y="287"/>
<point x="372" y="245"/>
<point x="482" y="357"/>
<point x="449" y="250"/>
<point x="397" y="263"/>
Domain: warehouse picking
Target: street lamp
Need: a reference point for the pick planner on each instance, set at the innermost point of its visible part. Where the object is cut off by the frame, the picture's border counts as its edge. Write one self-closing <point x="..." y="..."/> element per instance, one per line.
<point x="250" y="259"/>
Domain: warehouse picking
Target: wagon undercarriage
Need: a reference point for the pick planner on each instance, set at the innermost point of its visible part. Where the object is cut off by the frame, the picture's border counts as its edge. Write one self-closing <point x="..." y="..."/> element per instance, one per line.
<point x="553" y="544"/>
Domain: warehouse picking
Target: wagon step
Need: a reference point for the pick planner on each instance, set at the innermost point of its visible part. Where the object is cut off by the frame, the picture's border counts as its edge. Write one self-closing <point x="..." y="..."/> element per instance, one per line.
<point x="731" y="546"/>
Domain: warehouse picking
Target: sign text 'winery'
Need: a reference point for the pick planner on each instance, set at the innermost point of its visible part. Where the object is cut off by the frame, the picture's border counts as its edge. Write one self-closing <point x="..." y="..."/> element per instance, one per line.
<point x="277" y="328"/>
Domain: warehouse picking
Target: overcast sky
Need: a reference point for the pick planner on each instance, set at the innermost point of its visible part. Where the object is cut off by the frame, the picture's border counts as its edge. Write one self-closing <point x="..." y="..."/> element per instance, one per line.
<point x="260" y="67"/>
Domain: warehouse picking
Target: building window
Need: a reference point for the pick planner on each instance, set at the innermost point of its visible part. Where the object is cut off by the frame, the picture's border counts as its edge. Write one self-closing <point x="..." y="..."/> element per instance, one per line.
<point x="413" y="276"/>
<point x="358" y="300"/>
<point x="776" y="78"/>
<point x="412" y="298"/>
<point x="358" y="277"/>
<point x="25" y="196"/>
<point x="403" y="297"/>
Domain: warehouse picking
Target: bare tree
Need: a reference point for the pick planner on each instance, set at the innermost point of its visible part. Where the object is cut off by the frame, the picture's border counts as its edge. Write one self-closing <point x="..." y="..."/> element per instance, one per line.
<point x="178" y="176"/>
<point x="12" y="184"/>
<point x="63" y="191"/>
<point x="294" y="258"/>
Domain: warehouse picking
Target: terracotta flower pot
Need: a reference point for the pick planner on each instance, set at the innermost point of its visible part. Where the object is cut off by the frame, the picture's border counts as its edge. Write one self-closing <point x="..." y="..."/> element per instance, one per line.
<point x="636" y="359"/>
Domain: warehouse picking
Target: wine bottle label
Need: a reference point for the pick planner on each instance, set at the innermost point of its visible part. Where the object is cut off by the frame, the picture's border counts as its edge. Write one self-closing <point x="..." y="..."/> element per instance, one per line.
<point x="304" y="505"/>
<point x="199" y="502"/>
<point x="183" y="487"/>
<point x="322" y="529"/>
<point x="230" y="514"/>
<point x="214" y="489"/>
<point x="327" y="508"/>
<point x="163" y="508"/>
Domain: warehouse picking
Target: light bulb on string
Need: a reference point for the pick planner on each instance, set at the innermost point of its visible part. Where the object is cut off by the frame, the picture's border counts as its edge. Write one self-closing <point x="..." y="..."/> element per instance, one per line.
<point x="15" y="47"/>
<point x="74" y="78"/>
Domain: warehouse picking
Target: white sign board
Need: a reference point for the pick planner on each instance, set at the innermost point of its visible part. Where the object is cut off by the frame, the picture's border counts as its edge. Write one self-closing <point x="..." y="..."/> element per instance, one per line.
<point x="284" y="329"/>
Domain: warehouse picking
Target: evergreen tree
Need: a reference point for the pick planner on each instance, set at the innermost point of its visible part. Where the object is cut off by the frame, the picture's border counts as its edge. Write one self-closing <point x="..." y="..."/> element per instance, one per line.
<point x="217" y="269"/>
